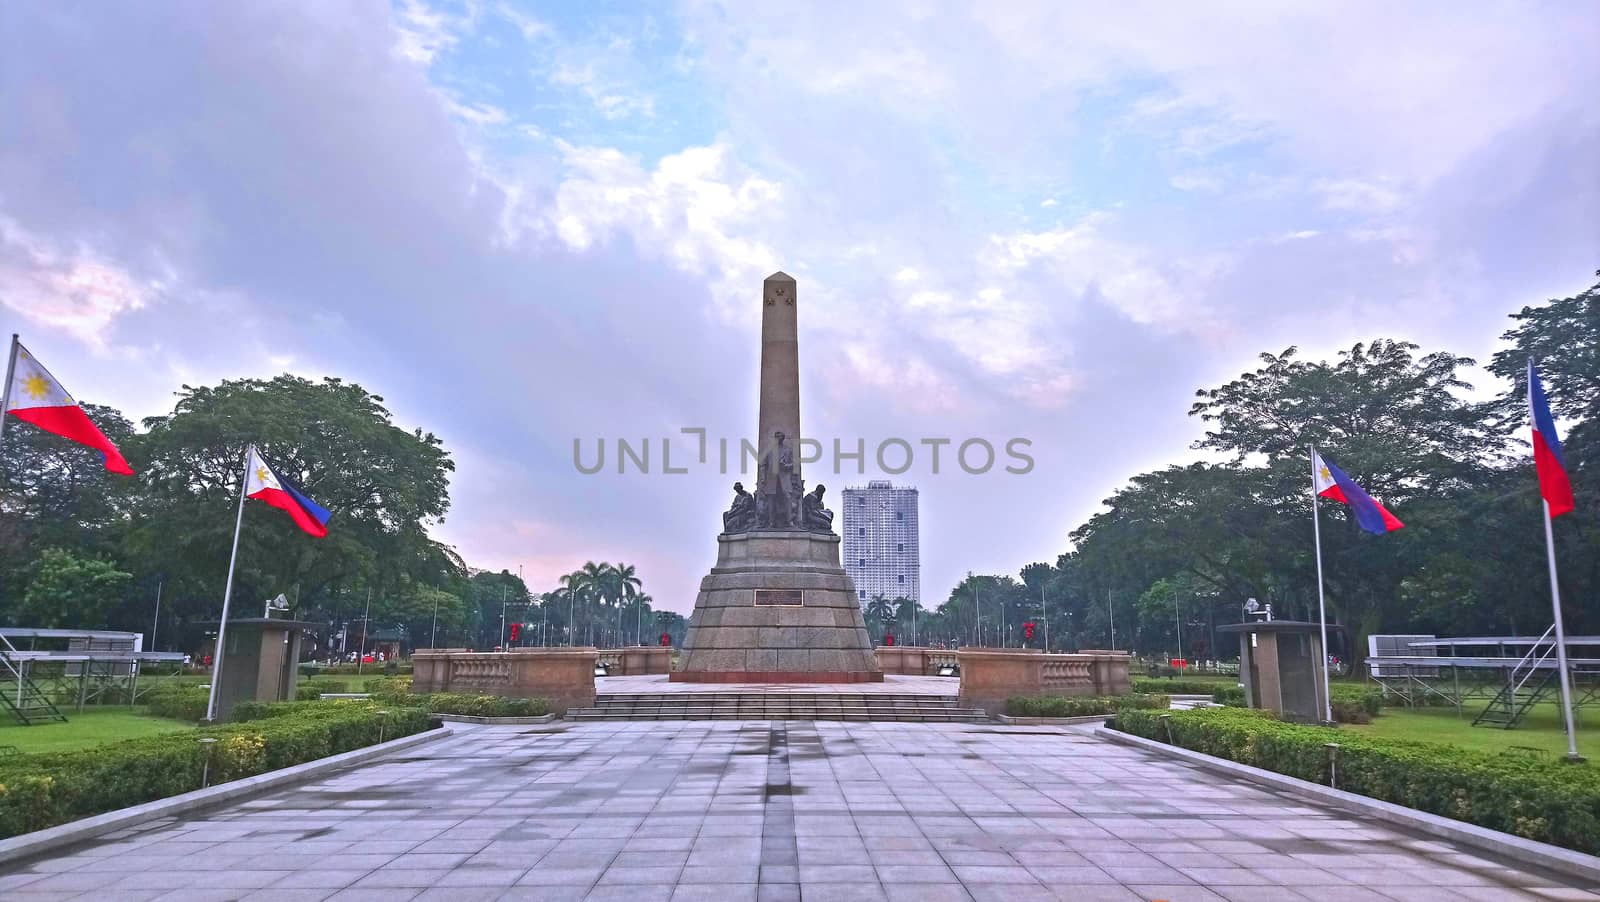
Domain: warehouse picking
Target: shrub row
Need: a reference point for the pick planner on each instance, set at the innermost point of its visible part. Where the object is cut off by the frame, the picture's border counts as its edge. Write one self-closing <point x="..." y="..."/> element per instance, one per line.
<point x="1552" y="802"/>
<point x="179" y="701"/>
<point x="1351" y="703"/>
<point x="1181" y="686"/>
<point x="397" y="691"/>
<point x="1080" y="706"/>
<point x="42" y="790"/>
<point x="310" y="690"/>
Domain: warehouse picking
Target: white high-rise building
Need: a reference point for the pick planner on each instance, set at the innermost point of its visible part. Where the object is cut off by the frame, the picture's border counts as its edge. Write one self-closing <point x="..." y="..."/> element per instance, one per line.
<point x="881" y="551"/>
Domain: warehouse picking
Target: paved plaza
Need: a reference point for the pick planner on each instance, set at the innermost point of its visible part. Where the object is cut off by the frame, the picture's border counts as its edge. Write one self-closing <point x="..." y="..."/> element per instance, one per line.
<point x="767" y="810"/>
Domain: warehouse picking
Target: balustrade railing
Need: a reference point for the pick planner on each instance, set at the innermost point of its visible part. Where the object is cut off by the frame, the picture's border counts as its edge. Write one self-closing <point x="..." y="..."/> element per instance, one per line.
<point x="1061" y="672"/>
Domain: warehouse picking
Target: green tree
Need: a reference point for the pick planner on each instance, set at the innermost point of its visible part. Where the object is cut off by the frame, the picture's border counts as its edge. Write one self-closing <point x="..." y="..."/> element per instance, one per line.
<point x="57" y="494"/>
<point x="71" y="592"/>
<point x="385" y="486"/>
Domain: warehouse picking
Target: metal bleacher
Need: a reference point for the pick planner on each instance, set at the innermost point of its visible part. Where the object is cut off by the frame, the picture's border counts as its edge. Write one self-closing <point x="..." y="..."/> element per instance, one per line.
<point x="1510" y="674"/>
<point x="74" y="668"/>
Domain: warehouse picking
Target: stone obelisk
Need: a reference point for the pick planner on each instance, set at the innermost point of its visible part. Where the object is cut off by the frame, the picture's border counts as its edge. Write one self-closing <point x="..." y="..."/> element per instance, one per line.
<point x="780" y="363"/>
<point x="778" y="607"/>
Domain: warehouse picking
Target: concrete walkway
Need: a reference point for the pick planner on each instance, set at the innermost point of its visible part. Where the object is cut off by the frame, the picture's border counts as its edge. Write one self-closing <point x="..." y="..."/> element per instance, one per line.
<point x="759" y="810"/>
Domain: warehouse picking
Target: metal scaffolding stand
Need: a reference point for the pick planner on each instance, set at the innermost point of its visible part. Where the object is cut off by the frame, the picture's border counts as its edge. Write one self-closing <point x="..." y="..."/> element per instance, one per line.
<point x="94" y="667"/>
<point x="1512" y="673"/>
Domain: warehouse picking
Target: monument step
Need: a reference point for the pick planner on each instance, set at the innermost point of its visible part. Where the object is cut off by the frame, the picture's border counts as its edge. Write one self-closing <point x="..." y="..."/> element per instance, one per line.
<point x="965" y="715"/>
<point x="898" y="707"/>
<point x="783" y="697"/>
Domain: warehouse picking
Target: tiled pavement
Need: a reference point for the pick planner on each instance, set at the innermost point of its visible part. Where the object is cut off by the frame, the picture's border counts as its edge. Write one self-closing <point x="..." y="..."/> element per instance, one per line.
<point x="739" y="812"/>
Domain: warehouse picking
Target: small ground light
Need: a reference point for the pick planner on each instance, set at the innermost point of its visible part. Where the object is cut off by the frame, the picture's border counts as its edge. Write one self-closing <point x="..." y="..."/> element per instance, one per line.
<point x="205" y="768"/>
<point x="602" y="670"/>
<point x="949" y="670"/>
<point x="383" y="720"/>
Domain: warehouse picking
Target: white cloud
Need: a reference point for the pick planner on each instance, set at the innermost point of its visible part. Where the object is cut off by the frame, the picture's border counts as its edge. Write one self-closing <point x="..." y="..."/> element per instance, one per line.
<point x="1360" y="196"/>
<point x="76" y="291"/>
<point x="532" y="29"/>
<point x="697" y="208"/>
<point x="422" y="32"/>
<point x="1196" y="181"/>
<point x="478" y="114"/>
<point x="608" y="98"/>
<point x="1079" y="258"/>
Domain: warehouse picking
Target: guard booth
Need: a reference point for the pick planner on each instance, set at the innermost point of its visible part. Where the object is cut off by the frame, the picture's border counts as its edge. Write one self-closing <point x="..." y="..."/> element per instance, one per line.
<point x="1281" y="664"/>
<point x="260" y="661"/>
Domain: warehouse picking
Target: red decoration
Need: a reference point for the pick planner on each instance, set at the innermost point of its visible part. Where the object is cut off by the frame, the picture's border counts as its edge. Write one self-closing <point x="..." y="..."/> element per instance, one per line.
<point x="888" y="638"/>
<point x="1027" y="630"/>
<point x="666" y="639"/>
<point x="515" y="629"/>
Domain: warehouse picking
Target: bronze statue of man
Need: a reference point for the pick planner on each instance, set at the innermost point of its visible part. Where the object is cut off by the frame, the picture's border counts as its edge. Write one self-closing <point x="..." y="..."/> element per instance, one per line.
<point x="815" y="517"/>
<point x="741" y="517"/>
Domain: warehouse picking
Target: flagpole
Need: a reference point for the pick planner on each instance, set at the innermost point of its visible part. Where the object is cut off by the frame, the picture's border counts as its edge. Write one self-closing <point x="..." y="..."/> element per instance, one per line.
<point x="1561" y="638"/>
<point x="227" y="594"/>
<point x="5" y="397"/>
<point x="1322" y="604"/>
<point x="1555" y="600"/>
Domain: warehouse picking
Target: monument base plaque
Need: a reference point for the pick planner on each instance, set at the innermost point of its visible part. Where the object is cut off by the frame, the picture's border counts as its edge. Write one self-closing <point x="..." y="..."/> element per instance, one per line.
<point x="777" y="608"/>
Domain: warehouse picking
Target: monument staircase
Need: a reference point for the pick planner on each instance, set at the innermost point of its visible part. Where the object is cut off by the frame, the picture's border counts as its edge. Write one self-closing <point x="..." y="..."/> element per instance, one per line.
<point x="736" y="705"/>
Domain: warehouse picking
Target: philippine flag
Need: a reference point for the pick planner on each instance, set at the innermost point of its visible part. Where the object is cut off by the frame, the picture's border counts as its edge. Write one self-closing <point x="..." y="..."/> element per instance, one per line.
<point x="1328" y="481"/>
<point x="1554" y="484"/>
<point x="263" y="484"/>
<point x="37" y="398"/>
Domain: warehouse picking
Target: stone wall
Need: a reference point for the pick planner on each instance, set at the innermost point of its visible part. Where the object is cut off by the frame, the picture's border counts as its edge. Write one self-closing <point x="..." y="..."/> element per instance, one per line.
<point x="562" y="676"/>
<point x="989" y="676"/>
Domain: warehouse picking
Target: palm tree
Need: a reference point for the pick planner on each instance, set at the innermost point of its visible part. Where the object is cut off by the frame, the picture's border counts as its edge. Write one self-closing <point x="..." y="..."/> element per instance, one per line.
<point x="573" y="586"/>
<point x="625" y="586"/>
<point x="641" y="606"/>
<point x="595" y="578"/>
<point x="905" y="612"/>
<point x="879" y="610"/>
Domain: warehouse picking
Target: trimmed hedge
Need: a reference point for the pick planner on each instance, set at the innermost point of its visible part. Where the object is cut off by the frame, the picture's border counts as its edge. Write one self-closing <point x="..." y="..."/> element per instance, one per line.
<point x="1181" y="686"/>
<point x="179" y="701"/>
<point x="388" y="686"/>
<point x="311" y="690"/>
<point x="1080" y="706"/>
<point x="42" y="790"/>
<point x="397" y="691"/>
<point x="1553" y="802"/>
<point x="1351" y="704"/>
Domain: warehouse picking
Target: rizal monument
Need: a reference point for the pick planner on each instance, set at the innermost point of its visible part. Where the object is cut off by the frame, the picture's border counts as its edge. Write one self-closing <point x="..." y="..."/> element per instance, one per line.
<point x="777" y="607"/>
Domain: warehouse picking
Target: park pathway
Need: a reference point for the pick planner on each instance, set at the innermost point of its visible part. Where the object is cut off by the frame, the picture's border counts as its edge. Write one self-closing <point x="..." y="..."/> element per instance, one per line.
<point x="772" y="810"/>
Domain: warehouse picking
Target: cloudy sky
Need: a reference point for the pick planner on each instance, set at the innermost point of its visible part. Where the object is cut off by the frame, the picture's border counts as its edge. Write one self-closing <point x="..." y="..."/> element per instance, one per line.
<point x="529" y="223"/>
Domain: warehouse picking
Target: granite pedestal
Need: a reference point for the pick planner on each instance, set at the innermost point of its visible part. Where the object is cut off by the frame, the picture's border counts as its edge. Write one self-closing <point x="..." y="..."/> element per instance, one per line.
<point x="777" y="607"/>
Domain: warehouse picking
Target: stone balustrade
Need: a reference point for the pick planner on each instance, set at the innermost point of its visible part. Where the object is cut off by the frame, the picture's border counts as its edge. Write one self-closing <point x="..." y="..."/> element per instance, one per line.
<point x="989" y="676"/>
<point x="636" y="660"/>
<point x="913" y="660"/>
<point x="562" y="676"/>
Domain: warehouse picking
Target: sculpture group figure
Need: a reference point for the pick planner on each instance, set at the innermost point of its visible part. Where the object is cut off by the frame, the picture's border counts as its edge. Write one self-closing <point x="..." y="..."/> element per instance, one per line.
<point x="780" y="501"/>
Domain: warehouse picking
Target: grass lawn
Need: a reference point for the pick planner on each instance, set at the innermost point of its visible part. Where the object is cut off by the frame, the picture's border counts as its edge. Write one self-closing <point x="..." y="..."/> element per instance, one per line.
<point x="95" y="726"/>
<point x="1541" y="729"/>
